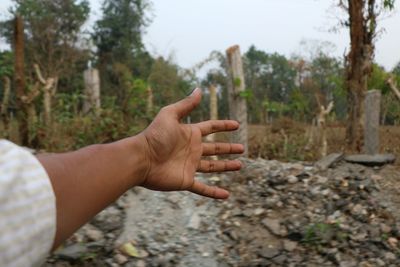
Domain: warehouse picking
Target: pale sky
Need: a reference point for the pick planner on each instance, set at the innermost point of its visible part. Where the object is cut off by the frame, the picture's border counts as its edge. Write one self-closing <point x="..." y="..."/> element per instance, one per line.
<point x="190" y="29"/>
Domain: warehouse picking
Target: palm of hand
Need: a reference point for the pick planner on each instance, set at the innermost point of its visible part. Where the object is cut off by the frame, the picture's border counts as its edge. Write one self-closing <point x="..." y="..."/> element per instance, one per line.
<point x="174" y="150"/>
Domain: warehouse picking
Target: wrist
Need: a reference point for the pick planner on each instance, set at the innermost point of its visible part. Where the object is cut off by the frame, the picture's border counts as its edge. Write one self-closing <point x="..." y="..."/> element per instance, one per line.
<point x="133" y="152"/>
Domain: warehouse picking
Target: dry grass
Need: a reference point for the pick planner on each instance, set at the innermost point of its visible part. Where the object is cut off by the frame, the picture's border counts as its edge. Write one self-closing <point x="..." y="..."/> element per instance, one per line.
<point x="267" y="141"/>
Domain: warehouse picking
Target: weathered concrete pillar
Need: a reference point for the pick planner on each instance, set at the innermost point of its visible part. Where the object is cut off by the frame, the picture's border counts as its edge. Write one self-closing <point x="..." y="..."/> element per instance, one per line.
<point x="92" y="91"/>
<point x="213" y="103"/>
<point x="213" y="109"/>
<point x="237" y="103"/>
<point x="372" y="114"/>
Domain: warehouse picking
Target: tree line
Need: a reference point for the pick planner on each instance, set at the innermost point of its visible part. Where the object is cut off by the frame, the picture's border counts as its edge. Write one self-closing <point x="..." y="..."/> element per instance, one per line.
<point x="58" y="49"/>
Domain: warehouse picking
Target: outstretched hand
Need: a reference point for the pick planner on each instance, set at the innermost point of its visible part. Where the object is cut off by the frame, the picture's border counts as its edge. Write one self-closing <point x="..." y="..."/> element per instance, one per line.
<point x="174" y="150"/>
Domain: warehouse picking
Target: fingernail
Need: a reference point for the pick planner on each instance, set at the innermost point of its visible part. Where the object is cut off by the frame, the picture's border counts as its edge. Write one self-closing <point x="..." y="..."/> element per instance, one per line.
<point x="192" y="92"/>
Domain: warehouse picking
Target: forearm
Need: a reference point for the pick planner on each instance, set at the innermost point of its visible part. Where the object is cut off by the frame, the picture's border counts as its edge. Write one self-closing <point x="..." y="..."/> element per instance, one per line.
<point x="88" y="180"/>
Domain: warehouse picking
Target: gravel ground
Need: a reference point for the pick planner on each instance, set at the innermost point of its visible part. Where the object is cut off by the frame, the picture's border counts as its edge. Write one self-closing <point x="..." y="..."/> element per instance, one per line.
<point x="279" y="214"/>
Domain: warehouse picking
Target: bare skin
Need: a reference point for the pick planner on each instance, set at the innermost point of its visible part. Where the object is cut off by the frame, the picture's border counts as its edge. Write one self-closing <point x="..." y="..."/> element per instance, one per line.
<point x="164" y="157"/>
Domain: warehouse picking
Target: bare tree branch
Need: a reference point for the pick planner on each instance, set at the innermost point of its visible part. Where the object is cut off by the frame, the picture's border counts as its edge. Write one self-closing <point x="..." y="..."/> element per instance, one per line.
<point x="393" y="86"/>
<point x="343" y="5"/>
<point x="39" y="74"/>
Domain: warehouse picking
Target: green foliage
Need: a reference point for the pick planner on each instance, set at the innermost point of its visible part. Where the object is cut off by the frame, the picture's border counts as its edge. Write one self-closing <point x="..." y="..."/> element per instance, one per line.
<point x="275" y="107"/>
<point x="138" y="99"/>
<point x="121" y="27"/>
<point x="52" y="28"/>
<point x="389" y="4"/>
<point x="6" y="63"/>
<point x="270" y="76"/>
<point x="246" y="94"/>
<point x="322" y="233"/>
<point x="67" y="106"/>
<point x="166" y="82"/>
<point x="118" y="34"/>
<point x="299" y="104"/>
<point x="396" y="72"/>
<point x="378" y="79"/>
<point x="237" y="82"/>
<point x="108" y="127"/>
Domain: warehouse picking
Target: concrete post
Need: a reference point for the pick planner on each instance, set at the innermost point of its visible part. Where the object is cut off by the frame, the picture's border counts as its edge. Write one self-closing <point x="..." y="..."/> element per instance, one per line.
<point x="372" y="114"/>
<point x="237" y="103"/>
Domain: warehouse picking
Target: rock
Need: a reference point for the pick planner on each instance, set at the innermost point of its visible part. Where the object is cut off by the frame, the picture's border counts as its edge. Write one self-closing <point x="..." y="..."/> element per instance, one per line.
<point x="393" y="242"/>
<point x="358" y="210"/>
<point x="258" y="211"/>
<point x="269" y="252"/>
<point x="348" y="264"/>
<point x="371" y="160"/>
<point x="292" y="179"/>
<point x="273" y="225"/>
<point x="389" y="256"/>
<point x="385" y="228"/>
<point x="280" y="260"/>
<point x="365" y="264"/>
<point x="248" y="213"/>
<point x="326" y="162"/>
<point x="380" y="262"/>
<point x="94" y="234"/>
<point x="73" y="252"/>
<point x="109" y="219"/>
<point x="194" y="222"/>
<point x="140" y="263"/>
<point x="120" y="259"/>
<point x="174" y="199"/>
<point x="289" y="245"/>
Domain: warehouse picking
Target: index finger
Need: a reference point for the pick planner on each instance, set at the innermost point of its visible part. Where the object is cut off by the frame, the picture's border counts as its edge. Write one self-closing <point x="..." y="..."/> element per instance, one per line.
<point x="214" y="126"/>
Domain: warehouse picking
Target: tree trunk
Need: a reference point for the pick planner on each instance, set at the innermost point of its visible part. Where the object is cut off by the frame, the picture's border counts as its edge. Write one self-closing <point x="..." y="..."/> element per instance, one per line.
<point x="4" y="106"/>
<point x="237" y="103"/>
<point x="358" y="69"/>
<point x="28" y="103"/>
<point x="22" y="113"/>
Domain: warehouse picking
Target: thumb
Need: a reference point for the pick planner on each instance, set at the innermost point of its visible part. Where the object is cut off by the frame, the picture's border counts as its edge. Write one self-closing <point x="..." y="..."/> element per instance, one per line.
<point x="186" y="105"/>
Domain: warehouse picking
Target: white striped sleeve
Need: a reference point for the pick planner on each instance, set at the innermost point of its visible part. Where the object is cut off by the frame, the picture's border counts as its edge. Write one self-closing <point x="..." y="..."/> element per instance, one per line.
<point x="27" y="208"/>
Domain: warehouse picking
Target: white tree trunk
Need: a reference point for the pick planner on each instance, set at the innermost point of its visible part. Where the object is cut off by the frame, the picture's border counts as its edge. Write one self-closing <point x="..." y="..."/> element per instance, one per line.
<point x="237" y="103"/>
<point x="321" y="122"/>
